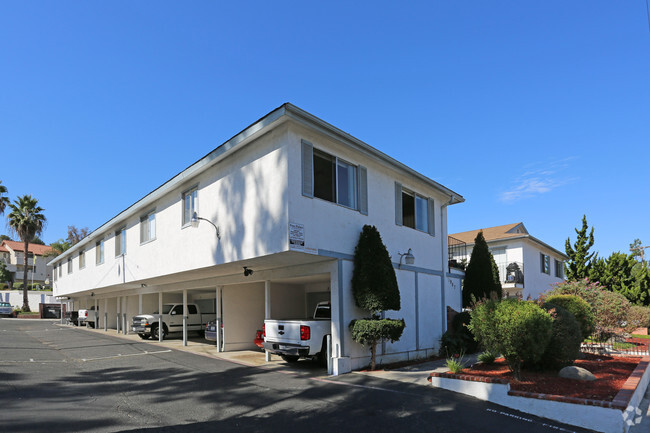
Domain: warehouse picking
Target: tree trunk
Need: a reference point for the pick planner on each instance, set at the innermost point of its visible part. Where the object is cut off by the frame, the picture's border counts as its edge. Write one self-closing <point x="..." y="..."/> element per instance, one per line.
<point x="373" y="352"/>
<point x="25" y="299"/>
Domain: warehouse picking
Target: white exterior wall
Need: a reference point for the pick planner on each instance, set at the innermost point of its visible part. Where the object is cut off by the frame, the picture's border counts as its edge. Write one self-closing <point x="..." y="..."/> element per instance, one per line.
<point x="15" y="259"/>
<point x="334" y="229"/>
<point x="245" y="196"/>
<point x="15" y="298"/>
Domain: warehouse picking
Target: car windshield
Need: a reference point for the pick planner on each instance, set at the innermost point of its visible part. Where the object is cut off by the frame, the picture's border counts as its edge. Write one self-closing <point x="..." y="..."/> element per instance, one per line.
<point x="165" y="309"/>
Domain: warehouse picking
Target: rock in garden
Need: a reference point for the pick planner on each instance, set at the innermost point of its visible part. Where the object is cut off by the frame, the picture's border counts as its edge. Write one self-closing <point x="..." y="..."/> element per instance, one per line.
<point x="573" y="372"/>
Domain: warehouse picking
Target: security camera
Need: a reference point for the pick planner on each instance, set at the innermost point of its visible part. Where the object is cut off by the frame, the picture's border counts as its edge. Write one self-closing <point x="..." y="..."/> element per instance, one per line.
<point x="247" y="271"/>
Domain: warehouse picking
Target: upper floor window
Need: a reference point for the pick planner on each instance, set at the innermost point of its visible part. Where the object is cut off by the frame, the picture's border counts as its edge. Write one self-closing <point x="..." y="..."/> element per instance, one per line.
<point x="190" y="204"/>
<point x="69" y="265"/>
<point x="330" y="178"/>
<point x="54" y="273"/>
<point x="148" y="227"/>
<point x="82" y="259"/>
<point x="413" y="210"/>
<point x="60" y="269"/>
<point x="120" y="242"/>
<point x="559" y="269"/>
<point x="545" y="263"/>
<point x="99" y="252"/>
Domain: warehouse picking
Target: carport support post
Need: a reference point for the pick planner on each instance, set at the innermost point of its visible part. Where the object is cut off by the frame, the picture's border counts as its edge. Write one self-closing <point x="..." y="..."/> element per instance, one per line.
<point x="140" y="304"/>
<point x="267" y="311"/>
<point x="96" y="313"/>
<point x="105" y="314"/>
<point x="61" y="310"/>
<point x="217" y="306"/>
<point x="184" y="317"/>
<point x="160" y="324"/>
<point x="125" y="324"/>
<point x="119" y="315"/>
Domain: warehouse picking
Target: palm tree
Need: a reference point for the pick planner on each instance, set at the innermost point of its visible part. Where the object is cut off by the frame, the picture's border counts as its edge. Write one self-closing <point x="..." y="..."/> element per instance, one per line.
<point x="4" y="200"/>
<point x="26" y="220"/>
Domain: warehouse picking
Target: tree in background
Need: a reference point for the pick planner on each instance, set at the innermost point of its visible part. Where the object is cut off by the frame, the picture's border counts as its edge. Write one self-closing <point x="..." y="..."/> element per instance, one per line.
<point x="75" y="235"/>
<point x="374" y="286"/>
<point x="638" y="251"/>
<point x="5" y="275"/>
<point x="580" y="260"/>
<point x="57" y="248"/>
<point x="5" y="238"/>
<point x="481" y="275"/>
<point x="4" y="200"/>
<point x="26" y="219"/>
<point x="37" y="241"/>
<point x="621" y="273"/>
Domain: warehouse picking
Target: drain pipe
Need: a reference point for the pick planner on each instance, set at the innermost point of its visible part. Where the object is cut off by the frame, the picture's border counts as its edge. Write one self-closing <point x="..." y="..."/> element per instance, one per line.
<point x="444" y="257"/>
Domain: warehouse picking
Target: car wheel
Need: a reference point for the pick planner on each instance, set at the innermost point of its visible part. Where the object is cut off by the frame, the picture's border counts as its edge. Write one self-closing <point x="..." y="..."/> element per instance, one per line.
<point x="144" y="336"/>
<point x="154" y="332"/>
<point x="289" y="358"/>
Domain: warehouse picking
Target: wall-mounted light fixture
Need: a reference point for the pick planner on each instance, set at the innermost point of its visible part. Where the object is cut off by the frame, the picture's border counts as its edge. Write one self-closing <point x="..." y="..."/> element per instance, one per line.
<point x="408" y="257"/>
<point x="195" y="223"/>
<point x="247" y="271"/>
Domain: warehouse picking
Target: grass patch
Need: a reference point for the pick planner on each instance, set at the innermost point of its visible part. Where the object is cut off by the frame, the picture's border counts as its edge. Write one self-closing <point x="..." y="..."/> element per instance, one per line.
<point x="641" y="336"/>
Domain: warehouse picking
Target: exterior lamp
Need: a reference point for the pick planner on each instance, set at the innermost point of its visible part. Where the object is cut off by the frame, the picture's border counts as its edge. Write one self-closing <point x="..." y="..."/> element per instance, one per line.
<point x="195" y="223"/>
<point x="408" y="257"/>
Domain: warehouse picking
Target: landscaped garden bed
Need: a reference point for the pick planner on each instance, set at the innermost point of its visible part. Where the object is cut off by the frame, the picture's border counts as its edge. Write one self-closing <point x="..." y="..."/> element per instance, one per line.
<point x="611" y="374"/>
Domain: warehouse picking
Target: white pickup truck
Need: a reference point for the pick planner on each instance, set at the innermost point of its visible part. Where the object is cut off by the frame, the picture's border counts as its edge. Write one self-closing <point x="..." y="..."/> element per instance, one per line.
<point x="295" y="339"/>
<point x="87" y="317"/>
<point x="146" y="325"/>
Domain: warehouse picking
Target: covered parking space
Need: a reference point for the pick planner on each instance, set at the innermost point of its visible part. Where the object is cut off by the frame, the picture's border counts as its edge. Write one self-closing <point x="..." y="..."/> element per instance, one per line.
<point x="280" y="286"/>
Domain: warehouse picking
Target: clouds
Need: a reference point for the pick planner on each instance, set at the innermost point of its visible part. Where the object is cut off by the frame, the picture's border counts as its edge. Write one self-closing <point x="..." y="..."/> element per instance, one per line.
<point x="539" y="178"/>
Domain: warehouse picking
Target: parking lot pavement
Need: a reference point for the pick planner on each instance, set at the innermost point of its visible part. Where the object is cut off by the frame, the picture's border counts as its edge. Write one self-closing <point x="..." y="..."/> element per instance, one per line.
<point x="56" y="378"/>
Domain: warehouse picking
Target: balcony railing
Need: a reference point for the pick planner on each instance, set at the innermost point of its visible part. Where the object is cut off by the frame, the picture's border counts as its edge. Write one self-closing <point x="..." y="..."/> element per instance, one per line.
<point x="457" y="251"/>
<point x="511" y="274"/>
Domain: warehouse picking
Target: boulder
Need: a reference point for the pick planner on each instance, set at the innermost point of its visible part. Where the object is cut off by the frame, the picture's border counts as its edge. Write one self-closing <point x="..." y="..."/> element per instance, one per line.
<point x="573" y="372"/>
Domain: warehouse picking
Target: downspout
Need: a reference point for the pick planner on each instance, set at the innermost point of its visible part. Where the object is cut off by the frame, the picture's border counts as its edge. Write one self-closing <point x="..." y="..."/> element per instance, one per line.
<point x="444" y="257"/>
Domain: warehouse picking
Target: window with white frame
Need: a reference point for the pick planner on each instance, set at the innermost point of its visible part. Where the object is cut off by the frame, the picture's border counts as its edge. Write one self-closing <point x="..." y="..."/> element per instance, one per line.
<point x="120" y="242"/>
<point x="330" y="178"/>
<point x="190" y="204"/>
<point x="99" y="252"/>
<point x="545" y="262"/>
<point x="559" y="269"/>
<point x="148" y="227"/>
<point x="82" y="259"/>
<point x="69" y="265"/>
<point x="413" y="210"/>
<point x="54" y="273"/>
<point x="60" y="269"/>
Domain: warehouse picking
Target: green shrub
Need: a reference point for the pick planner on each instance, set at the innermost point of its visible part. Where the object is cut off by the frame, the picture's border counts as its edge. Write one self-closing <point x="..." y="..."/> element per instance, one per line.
<point x="18" y="286"/>
<point x="516" y="329"/>
<point x="487" y="357"/>
<point x="564" y="346"/>
<point x="456" y="363"/>
<point x="458" y="338"/>
<point x="4" y="286"/>
<point x="637" y="317"/>
<point x="580" y="309"/>
<point x="365" y="331"/>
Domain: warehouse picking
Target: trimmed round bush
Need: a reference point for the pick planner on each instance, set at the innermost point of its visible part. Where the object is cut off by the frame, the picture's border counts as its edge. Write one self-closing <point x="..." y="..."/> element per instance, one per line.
<point x="637" y="317"/>
<point x="365" y="331"/>
<point x="564" y="346"/>
<point x="516" y="329"/>
<point x="580" y="309"/>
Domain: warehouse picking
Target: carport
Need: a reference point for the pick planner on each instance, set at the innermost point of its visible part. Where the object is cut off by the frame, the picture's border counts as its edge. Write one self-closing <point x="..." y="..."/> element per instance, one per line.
<point x="280" y="286"/>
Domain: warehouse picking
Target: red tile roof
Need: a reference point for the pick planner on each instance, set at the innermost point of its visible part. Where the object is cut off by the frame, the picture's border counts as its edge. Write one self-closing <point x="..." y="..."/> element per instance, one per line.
<point x="39" y="250"/>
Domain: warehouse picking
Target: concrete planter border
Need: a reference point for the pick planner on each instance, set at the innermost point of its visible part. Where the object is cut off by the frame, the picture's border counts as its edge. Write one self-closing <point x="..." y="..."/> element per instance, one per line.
<point x="614" y="416"/>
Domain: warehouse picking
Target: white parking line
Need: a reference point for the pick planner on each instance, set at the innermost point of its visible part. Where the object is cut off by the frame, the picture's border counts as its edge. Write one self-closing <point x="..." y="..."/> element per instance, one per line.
<point x="530" y="420"/>
<point x="119" y="355"/>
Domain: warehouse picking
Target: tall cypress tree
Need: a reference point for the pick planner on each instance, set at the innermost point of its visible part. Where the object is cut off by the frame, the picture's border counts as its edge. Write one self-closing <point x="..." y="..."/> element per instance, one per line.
<point x="482" y="274"/>
<point x="580" y="260"/>
<point x="375" y="289"/>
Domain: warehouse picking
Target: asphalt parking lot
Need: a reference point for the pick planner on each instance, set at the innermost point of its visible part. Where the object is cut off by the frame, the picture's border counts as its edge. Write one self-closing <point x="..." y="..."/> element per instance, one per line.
<point x="58" y="378"/>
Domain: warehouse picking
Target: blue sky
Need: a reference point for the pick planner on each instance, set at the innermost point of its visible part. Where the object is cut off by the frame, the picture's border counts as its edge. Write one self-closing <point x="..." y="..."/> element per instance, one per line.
<point x="534" y="112"/>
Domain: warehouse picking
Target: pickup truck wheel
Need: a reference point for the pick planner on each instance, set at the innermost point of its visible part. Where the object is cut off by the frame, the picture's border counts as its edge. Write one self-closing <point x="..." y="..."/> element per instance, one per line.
<point x="144" y="336"/>
<point x="154" y="332"/>
<point x="289" y="358"/>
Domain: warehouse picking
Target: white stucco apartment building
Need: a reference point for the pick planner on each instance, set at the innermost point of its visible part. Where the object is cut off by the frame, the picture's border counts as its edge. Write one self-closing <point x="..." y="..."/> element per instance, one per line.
<point x="288" y="197"/>
<point x="12" y="253"/>
<point x="527" y="266"/>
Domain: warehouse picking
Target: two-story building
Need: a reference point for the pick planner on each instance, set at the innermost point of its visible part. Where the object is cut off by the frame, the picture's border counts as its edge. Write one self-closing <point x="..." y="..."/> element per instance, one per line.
<point x="12" y="253"/>
<point x="527" y="266"/>
<point x="284" y="200"/>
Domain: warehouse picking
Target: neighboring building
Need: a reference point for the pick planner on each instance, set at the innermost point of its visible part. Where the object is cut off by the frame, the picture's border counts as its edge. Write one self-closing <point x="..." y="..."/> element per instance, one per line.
<point x="13" y="254"/>
<point x="286" y="198"/>
<point x="527" y="266"/>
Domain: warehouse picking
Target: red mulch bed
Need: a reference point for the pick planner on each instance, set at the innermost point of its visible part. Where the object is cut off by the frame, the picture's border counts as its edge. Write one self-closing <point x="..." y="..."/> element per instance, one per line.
<point x="611" y="373"/>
